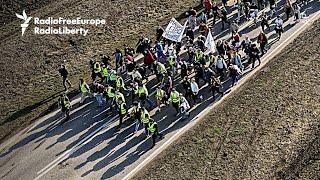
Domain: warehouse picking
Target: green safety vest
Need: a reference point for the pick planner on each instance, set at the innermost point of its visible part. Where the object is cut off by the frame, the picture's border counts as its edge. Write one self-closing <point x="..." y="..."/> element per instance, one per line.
<point x="97" y="67"/>
<point x="110" y="93"/>
<point x="160" y="94"/>
<point x="83" y="87"/>
<point x="210" y="58"/>
<point x="118" y="96"/>
<point x="162" y="68"/>
<point x="119" y="82"/>
<point x="122" y="109"/>
<point x="199" y="56"/>
<point x="151" y="127"/>
<point x="145" y="117"/>
<point x="113" y="77"/>
<point x="171" y="60"/>
<point x="141" y="90"/>
<point x="175" y="97"/>
<point x="105" y="72"/>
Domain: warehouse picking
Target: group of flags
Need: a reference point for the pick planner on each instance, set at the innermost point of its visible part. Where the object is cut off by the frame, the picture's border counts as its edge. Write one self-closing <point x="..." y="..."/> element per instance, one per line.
<point x="175" y="30"/>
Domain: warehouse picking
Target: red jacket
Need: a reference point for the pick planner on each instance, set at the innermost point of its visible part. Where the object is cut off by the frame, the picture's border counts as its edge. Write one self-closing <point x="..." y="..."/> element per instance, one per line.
<point x="207" y="4"/>
<point x="148" y="58"/>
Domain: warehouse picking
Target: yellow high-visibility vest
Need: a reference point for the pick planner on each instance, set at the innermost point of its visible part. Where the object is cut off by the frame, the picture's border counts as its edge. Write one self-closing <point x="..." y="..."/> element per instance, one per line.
<point x="175" y="97"/>
<point x="145" y="116"/>
<point x="105" y="71"/>
<point x="199" y="56"/>
<point x="83" y="87"/>
<point x="151" y="127"/>
<point x="119" y="82"/>
<point x="160" y="94"/>
<point x="162" y="68"/>
<point x="171" y="60"/>
<point x="110" y="93"/>
<point x="97" y="67"/>
<point x="122" y="108"/>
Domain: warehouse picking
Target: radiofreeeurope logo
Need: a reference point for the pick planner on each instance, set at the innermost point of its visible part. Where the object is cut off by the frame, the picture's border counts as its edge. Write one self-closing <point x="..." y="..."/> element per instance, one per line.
<point x="26" y="20"/>
<point x="59" y="25"/>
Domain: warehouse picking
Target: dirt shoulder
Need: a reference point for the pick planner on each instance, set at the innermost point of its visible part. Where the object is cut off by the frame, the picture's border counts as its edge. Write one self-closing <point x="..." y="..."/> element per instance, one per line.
<point x="270" y="129"/>
<point x="30" y="82"/>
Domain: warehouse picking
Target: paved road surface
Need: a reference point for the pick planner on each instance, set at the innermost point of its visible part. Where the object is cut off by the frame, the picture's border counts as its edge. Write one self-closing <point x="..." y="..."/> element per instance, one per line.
<point x="88" y="146"/>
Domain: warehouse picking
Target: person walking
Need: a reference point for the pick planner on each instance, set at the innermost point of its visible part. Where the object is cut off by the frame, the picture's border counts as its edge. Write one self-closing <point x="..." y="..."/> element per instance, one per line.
<point x="184" y="107"/>
<point x="220" y="66"/>
<point x="122" y="111"/>
<point x="264" y="21"/>
<point x="216" y="87"/>
<point x="84" y="89"/>
<point x="161" y="71"/>
<point x="160" y="96"/>
<point x="65" y="104"/>
<point x="288" y="8"/>
<point x="224" y="18"/>
<point x="143" y="95"/>
<point x="136" y="111"/>
<point x="254" y="55"/>
<point x="64" y="74"/>
<point x="278" y="28"/>
<point x="145" y="118"/>
<point x="234" y="73"/>
<point x="175" y="100"/>
<point x="110" y="94"/>
<point x="97" y="70"/>
<point x="236" y="59"/>
<point x="263" y="41"/>
<point x="195" y="91"/>
<point x="154" y="131"/>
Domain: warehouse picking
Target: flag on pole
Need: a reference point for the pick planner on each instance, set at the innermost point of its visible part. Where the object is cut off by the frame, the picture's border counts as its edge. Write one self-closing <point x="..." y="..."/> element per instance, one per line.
<point x="210" y="44"/>
<point x="174" y="31"/>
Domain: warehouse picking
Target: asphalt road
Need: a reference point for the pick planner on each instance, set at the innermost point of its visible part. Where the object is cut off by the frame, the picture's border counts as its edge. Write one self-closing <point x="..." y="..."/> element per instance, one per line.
<point x="88" y="146"/>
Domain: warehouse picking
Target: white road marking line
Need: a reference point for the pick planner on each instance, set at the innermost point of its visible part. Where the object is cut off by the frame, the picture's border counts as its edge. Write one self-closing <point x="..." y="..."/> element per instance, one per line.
<point x="199" y="117"/>
<point x="73" y="149"/>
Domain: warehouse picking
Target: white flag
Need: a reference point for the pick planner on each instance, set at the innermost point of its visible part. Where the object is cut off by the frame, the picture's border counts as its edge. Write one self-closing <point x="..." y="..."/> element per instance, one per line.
<point x="210" y="44"/>
<point x="174" y="31"/>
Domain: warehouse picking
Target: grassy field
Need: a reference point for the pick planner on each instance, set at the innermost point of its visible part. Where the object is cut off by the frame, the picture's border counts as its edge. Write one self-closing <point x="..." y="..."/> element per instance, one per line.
<point x="29" y="64"/>
<point x="270" y="129"/>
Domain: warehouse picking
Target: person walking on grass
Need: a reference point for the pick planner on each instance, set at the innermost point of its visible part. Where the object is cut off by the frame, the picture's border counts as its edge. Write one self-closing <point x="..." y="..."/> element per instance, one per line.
<point x="65" y="105"/>
<point x="64" y="74"/>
